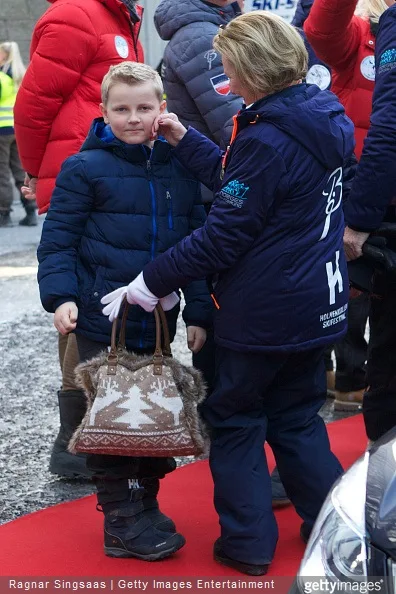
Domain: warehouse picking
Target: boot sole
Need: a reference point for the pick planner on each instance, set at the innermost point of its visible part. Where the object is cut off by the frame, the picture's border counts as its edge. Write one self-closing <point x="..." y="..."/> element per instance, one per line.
<point x="279" y="503"/>
<point x="340" y="406"/>
<point x="239" y="566"/>
<point x="123" y="554"/>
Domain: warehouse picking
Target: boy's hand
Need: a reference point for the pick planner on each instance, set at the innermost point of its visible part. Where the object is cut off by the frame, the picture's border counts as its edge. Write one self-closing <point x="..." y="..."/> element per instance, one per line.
<point x="29" y="189"/>
<point x="196" y="338"/>
<point x="168" y="126"/>
<point x="65" y="319"/>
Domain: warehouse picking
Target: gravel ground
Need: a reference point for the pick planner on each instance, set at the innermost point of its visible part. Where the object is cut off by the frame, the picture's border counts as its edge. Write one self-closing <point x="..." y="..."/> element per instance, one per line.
<point x="29" y="380"/>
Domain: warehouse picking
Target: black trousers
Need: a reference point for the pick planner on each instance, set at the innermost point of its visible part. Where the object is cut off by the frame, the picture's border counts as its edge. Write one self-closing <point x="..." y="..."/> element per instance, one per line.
<point x="117" y="467"/>
<point x="351" y="351"/>
<point x="272" y="397"/>
<point x="379" y="403"/>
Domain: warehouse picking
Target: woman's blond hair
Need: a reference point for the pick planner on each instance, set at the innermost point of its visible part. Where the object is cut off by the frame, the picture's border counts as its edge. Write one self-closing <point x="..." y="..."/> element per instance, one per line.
<point x="131" y="73"/>
<point x="13" y="60"/>
<point x="266" y="52"/>
<point x="371" y="9"/>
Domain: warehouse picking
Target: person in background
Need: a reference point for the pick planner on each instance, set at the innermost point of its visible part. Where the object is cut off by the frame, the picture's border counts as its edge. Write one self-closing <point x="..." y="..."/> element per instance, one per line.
<point x="119" y="203"/>
<point x="343" y="34"/>
<point x="372" y="202"/>
<point x="12" y="71"/>
<point x="197" y="89"/>
<point x="74" y="43"/>
<point x="276" y="254"/>
<point x="318" y="72"/>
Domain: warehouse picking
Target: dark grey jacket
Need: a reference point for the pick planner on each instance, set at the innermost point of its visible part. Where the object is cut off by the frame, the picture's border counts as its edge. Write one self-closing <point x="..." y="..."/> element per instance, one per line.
<point x="193" y="74"/>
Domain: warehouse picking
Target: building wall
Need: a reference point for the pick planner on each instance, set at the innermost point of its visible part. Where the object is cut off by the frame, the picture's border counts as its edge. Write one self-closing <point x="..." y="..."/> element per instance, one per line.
<point x="18" y="18"/>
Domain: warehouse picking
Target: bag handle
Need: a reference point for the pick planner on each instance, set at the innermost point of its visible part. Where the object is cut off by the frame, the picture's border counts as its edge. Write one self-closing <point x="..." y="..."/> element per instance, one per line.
<point x="161" y="327"/>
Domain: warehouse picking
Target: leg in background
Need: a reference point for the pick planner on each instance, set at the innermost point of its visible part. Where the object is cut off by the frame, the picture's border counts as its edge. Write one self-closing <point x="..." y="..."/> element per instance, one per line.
<point x="6" y="196"/>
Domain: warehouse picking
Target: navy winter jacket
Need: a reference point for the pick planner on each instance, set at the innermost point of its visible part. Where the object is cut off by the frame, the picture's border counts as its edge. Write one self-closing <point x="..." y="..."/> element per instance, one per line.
<point x="115" y="207"/>
<point x="318" y="72"/>
<point x="275" y="231"/>
<point x="196" y="87"/>
<point x="373" y="195"/>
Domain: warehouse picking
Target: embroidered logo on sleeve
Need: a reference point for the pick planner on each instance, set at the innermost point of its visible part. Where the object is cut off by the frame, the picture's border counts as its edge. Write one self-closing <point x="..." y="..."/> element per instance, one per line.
<point x="210" y="56"/>
<point x="319" y="75"/>
<point x="221" y="84"/>
<point x="235" y="193"/>
<point x="387" y="61"/>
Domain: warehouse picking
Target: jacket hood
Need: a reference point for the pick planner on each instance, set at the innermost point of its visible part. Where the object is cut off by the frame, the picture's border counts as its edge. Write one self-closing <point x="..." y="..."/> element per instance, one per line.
<point x="172" y="15"/>
<point x="100" y="136"/>
<point x="312" y="117"/>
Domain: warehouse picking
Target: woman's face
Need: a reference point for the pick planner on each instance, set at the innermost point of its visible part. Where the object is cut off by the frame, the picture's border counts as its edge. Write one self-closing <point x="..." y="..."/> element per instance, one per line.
<point x="390" y="2"/>
<point x="236" y="86"/>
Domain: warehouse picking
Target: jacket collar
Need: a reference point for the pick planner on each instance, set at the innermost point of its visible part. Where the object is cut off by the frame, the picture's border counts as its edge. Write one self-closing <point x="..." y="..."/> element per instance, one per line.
<point x="100" y="137"/>
<point x="251" y="114"/>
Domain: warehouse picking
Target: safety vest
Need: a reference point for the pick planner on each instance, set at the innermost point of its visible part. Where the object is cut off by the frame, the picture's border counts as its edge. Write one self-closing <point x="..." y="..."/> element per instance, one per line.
<point x="7" y="100"/>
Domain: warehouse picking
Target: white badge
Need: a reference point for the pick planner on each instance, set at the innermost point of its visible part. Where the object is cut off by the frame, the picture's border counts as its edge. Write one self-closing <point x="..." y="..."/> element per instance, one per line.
<point x="319" y="75"/>
<point x="121" y="46"/>
<point x="367" y="67"/>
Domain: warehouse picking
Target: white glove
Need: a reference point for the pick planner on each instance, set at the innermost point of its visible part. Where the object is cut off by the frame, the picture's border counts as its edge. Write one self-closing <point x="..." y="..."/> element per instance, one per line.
<point x="114" y="301"/>
<point x="169" y="301"/>
<point x="136" y="293"/>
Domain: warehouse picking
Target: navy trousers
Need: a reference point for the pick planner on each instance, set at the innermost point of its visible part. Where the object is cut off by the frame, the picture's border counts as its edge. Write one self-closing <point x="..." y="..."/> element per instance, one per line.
<point x="270" y="397"/>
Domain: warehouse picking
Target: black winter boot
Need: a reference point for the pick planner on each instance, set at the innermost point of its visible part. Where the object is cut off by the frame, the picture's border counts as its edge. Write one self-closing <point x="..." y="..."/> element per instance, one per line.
<point x="151" y="508"/>
<point x="5" y="220"/>
<point x="127" y="530"/>
<point x="30" y="220"/>
<point x="72" y="407"/>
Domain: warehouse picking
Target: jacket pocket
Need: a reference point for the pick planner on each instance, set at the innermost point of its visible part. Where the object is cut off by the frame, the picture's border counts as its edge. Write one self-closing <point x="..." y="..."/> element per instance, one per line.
<point x="93" y="294"/>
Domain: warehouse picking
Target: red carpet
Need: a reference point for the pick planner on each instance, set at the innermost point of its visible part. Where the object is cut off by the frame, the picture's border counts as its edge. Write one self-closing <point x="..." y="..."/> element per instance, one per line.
<point x="66" y="540"/>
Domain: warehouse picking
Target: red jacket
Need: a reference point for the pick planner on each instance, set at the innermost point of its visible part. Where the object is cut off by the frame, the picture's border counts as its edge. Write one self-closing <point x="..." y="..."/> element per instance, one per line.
<point x="345" y="42"/>
<point x="73" y="45"/>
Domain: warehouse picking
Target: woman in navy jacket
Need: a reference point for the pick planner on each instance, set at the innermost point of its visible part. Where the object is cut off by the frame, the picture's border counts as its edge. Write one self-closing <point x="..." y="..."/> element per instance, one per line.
<point x="272" y="244"/>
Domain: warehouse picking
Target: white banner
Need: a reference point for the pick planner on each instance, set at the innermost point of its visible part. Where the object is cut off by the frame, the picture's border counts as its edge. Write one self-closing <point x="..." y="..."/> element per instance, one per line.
<point x="285" y="8"/>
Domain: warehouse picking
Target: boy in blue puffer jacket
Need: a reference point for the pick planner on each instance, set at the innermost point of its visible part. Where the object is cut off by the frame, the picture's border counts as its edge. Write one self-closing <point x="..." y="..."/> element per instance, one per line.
<point x="117" y="204"/>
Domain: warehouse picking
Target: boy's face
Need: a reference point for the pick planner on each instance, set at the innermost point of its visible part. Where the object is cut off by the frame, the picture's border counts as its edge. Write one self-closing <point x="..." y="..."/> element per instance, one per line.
<point x="131" y="111"/>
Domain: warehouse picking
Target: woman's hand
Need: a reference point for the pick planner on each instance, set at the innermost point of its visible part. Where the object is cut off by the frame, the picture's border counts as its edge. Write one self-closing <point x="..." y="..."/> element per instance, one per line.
<point x="137" y="293"/>
<point x="29" y="189"/>
<point x="65" y="318"/>
<point x="168" y="126"/>
<point x="196" y="338"/>
<point x="353" y="243"/>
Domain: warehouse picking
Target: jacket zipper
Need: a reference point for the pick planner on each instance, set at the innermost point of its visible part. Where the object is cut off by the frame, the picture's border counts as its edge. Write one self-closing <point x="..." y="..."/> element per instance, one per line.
<point x="170" y="210"/>
<point x="153" y="210"/>
<point x="153" y="242"/>
<point x="141" y="341"/>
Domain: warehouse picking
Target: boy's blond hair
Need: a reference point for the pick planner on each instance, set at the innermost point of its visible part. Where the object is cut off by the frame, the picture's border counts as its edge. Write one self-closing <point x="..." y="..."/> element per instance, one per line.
<point x="371" y="9"/>
<point x="266" y="52"/>
<point x="131" y="73"/>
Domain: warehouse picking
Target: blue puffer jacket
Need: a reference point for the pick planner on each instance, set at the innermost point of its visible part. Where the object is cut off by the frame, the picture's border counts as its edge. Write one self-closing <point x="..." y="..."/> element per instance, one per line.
<point x="195" y="84"/>
<point x="318" y="72"/>
<point x="115" y="207"/>
<point x="275" y="231"/>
